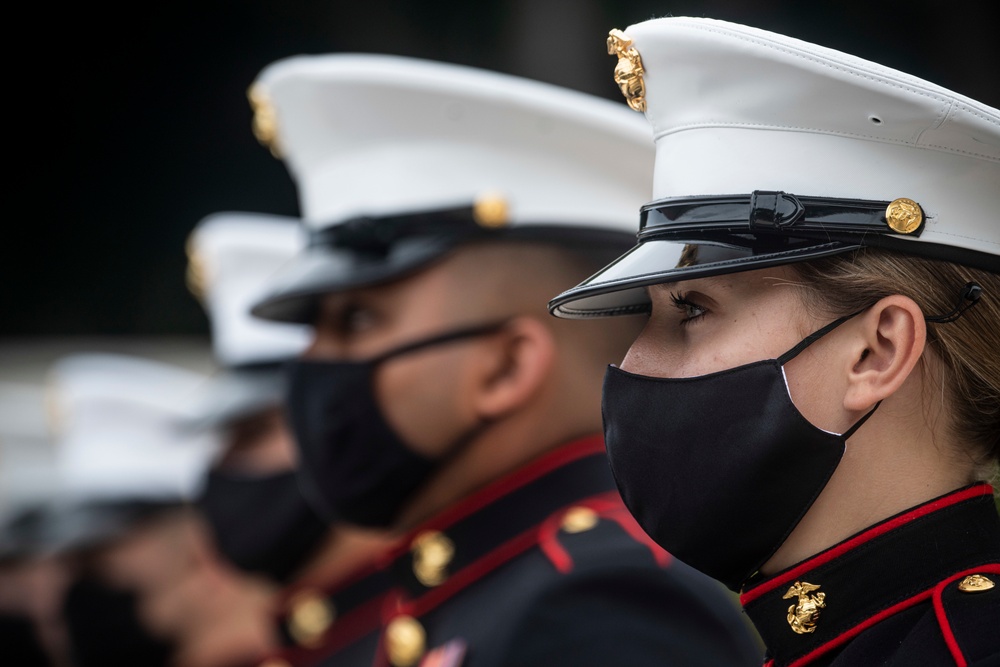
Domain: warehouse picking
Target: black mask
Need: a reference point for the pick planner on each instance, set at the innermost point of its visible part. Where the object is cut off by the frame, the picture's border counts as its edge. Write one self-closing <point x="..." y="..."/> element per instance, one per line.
<point x="352" y="465"/>
<point x="718" y="469"/>
<point x="105" y="630"/>
<point x="20" y="642"/>
<point x="261" y="523"/>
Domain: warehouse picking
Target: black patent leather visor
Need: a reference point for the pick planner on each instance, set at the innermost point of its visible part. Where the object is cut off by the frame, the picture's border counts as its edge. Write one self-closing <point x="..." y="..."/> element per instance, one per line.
<point x="695" y="237"/>
<point x="368" y="251"/>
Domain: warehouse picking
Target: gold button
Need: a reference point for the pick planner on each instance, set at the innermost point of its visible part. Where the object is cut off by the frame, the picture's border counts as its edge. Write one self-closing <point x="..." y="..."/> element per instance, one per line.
<point x="491" y="211"/>
<point x="405" y="641"/>
<point x="579" y="519"/>
<point x="432" y="553"/>
<point x="904" y="215"/>
<point x="275" y="662"/>
<point x="311" y="616"/>
<point x="975" y="583"/>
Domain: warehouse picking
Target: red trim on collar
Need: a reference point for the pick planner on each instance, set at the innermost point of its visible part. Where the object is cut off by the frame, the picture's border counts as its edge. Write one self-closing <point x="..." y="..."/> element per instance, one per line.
<point x="480" y="568"/>
<point x="522" y="476"/>
<point x="860" y="627"/>
<point x="942" y="618"/>
<point x="865" y="536"/>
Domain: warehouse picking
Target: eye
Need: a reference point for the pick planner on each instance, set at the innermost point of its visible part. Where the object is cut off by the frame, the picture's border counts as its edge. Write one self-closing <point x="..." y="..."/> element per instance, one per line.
<point x="357" y="318"/>
<point x="688" y="308"/>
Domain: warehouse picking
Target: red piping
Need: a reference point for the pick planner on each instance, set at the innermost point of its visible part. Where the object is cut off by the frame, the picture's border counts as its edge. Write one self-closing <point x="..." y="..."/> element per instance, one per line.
<point x="864" y="625"/>
<point x="949" y="635"/>
<point x="856" y="541"/>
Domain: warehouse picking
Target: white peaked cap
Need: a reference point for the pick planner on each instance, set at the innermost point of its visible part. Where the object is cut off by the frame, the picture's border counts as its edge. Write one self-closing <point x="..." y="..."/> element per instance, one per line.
<point x="398" y="160"/>
<point x="116" y="421"/>
<point x="27" y="470"/>
<point x="232" y="256"/>
<point x="736" y="110"/>
<point x="372" y="135"/>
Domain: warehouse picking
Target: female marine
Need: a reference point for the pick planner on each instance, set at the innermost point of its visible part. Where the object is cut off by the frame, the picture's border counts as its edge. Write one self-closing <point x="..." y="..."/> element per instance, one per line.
<point x="812" y="411"/>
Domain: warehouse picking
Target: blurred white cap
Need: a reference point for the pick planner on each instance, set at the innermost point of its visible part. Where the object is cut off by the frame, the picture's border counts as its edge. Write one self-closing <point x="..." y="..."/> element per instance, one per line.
<point x="27" y="464"/>
<point x="231" y="257"/>
<point x="116" y="422"/>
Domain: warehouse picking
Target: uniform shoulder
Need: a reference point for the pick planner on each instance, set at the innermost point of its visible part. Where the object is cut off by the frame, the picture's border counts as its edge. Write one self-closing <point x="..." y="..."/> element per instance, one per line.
<point x="585" y="538"/>
<point x="967" y="610"/>
<point x="619" y="598"/>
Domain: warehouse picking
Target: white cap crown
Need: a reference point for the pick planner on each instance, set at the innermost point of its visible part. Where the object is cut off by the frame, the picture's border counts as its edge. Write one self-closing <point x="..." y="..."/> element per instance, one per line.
<point x="232" y="256"/>
<point x="116" y="420"/>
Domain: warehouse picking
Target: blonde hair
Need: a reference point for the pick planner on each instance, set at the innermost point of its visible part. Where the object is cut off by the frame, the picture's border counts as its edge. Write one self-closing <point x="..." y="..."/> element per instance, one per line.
<point x="968" y="348"/>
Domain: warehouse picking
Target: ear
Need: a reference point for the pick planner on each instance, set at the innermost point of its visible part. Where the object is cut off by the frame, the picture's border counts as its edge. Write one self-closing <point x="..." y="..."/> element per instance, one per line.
<point x="894" y="335"/>
<point x="513" y="368"/>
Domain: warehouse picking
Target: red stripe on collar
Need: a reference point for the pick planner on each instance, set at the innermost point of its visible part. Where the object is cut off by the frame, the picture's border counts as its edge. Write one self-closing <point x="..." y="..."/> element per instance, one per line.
<point x="865" y="536"/>
<point x="491" y="561"/>
<point x="523" y="476"/>
<point x="935" y="591"/>
<point x="861" y="627"/>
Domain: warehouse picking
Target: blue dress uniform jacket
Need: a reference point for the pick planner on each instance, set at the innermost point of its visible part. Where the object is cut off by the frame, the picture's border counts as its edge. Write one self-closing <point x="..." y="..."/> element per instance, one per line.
<point x="921" y="588"/>
<point x="543" y="567"/>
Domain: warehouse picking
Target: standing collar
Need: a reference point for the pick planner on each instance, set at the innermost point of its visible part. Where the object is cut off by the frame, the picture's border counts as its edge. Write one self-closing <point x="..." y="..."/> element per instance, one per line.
<point x="448" y="552"/>
<point x="877" y="573"/>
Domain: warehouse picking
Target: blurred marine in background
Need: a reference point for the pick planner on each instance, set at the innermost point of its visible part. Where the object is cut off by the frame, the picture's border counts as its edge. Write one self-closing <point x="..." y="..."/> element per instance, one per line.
<point x="259" y="517"/>
<point x="146" y="585"/>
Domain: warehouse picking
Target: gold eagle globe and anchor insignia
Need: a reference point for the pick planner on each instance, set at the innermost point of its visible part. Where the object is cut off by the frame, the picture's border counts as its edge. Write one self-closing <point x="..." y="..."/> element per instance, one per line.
<point x="802" y="615"/>
<point x="629" y="70"/>
<point x="265" y="119"/>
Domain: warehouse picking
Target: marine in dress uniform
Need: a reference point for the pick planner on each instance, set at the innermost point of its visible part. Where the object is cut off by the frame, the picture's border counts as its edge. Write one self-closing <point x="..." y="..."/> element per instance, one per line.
<point x="259" y="518"/>
<point x="125" y="474"/>
<point x="406" y="169"/>
<point x="770" y="152"/>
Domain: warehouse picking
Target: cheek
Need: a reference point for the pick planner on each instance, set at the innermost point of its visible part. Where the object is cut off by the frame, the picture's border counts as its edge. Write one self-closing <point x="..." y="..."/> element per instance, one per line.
<point x="671" y="354"/>
<point x="650" y="355"/>
<point x="417" y="396"/>
<point x="272" y="453"/>
<point x="817" y="389"/>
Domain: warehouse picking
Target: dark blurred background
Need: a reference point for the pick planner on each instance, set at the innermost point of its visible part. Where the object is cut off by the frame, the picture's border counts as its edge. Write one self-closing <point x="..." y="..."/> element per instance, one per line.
<point x="131" y="124"/>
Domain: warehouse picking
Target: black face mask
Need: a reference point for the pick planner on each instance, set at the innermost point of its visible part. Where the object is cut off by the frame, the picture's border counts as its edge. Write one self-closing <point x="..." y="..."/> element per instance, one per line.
<point x="718" y="469"/>
<point x="262" y="523"/>
<point x="352" y="465"/>
<point x="105" y="630"/>
<point x="20" y="641"/>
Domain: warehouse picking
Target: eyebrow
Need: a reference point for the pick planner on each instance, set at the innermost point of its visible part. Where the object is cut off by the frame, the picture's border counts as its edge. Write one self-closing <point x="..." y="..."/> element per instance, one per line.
<point x="708" y="281"/>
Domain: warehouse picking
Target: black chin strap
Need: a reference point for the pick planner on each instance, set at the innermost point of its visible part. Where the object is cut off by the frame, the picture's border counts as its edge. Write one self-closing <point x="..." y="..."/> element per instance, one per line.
<point x="967" y="298"/>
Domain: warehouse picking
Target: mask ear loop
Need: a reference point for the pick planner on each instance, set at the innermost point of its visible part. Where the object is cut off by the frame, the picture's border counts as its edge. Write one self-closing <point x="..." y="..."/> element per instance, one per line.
<point x="447" y="337"/>
<point x="815" y="336"/>
<point x="849" y="432"/>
